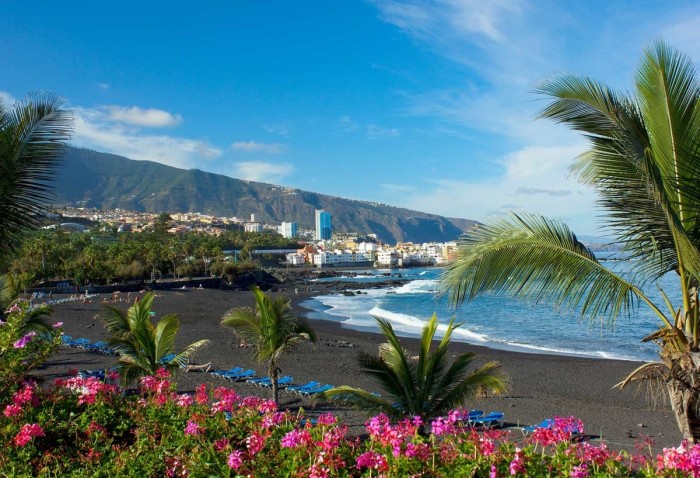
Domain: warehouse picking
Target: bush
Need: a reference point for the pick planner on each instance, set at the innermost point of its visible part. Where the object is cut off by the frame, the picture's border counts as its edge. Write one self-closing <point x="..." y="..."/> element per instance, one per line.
<point x="84" y="427"/>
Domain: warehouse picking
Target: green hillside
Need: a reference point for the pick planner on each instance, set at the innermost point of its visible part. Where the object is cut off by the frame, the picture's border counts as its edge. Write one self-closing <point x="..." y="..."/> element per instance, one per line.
<point x="92" y="179"/>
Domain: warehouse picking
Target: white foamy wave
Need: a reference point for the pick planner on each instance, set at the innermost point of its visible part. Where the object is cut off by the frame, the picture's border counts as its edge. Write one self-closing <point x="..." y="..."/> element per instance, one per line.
<point x="421" y="286"/>
<point x="414" y="326"/>
<point x="530" y="348"/>
<point x="423" y="273"/>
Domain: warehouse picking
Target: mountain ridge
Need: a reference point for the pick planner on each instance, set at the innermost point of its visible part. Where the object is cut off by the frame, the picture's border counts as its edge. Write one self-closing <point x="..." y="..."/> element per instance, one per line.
<point x="89" y="178"/>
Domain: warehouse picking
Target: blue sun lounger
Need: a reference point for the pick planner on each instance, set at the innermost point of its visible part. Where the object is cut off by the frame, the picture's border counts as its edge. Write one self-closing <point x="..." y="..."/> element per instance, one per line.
<point x="306" y="386"/>
<point x="267" y="381"/>
<point x="471" y="415"/>
<point x="489" y="421"/>
<point x="314" y="391"/>
<point x="237" y="376"/>
<point x="229" y="371"/>
<point x="546" y="424"/>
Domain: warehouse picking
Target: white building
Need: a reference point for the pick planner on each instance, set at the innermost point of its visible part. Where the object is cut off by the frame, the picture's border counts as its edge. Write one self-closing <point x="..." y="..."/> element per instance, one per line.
<point x="288" y="229"/>
<point x="253" y="227"/>
<point x="295" y="259"/>
<point x="387" y="258"/>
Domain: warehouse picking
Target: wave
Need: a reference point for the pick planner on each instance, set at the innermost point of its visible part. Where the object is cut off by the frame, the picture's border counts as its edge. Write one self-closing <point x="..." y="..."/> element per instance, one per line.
<point x="414" y="326"/>
<point x="421" y="286"/>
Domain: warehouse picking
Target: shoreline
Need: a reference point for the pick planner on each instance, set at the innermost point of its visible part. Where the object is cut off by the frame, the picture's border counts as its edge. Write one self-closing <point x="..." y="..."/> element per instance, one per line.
<point x="542" y="385"/>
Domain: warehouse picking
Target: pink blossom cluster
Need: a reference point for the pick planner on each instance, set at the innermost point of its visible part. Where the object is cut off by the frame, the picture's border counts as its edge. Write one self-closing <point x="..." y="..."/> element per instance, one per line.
<point x="562" y="430"/>
<point x="89" y="389"/>
<point x="372" y="460"/>
<point x="226" y="399"/>
<point x="24" y="396"/>
<point x="685" y="458"/>
<point x="193" y="428"/>
<point x="296" y="438"/>
<point x="517" y="465"/>
<point x="235" y="460"/>
<point x="27" y="432"/>
<point x="26" y="338"/>
<point x="395" y="436"/>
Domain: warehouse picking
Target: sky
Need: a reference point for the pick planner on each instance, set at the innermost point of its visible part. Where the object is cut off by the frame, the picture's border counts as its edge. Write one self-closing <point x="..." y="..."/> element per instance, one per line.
<point x="428" y="105"/>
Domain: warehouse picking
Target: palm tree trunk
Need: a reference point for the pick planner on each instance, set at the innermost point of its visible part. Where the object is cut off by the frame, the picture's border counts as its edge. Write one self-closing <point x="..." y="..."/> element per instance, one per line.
<point x="684" y="403"/>
<point x="273" y="379"/>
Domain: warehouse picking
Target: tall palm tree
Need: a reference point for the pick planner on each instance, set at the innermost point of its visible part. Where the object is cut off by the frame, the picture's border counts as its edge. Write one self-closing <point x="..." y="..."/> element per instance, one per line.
<point x="272" y="329"/>
<point x="32" y="139"/>
<point x="143" y="347"/>
<point x="427" y="385"/>
<point x="644" y="161"/>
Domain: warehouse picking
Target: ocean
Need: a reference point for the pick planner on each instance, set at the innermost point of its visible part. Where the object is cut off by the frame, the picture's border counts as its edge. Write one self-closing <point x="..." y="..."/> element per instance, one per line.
<point x="492" y="321"/>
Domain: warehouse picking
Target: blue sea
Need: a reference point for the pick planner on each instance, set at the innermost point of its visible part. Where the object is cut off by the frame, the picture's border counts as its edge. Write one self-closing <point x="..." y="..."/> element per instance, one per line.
<point x="491" y="321"/>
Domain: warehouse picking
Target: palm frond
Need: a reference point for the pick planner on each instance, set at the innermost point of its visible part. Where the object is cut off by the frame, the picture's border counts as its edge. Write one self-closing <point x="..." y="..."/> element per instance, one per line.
<point x="531" y="257"/>
<point x="32" y="139"/>
<point x="361" y="400"/>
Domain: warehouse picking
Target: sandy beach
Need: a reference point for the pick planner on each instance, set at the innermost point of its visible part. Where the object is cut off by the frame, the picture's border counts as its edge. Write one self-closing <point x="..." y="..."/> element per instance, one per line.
<point x="541" y="385"/>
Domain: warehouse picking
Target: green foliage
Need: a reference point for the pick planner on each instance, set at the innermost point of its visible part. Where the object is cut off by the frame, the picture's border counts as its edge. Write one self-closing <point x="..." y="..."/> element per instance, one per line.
<point x="26" y="341"/>
<point x="83" y="427"/>
<point x="272" y="328"/>
<point x="644" y="162"/>
<point x="32" y="138"/>
<point x="143" y="346"/>
<point x="427" y="385"/>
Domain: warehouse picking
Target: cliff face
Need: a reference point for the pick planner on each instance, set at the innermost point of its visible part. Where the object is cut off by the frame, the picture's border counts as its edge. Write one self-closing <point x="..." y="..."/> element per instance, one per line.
<point x="92" y="179"/>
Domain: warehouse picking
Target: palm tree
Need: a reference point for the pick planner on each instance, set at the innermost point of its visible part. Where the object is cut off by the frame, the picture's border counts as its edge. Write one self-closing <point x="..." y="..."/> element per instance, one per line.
<point x="32" y="139"/>
<point x="644" y="162"/>
<point x="143" y="348"/>
<point x="427" y="385"/>
<point x="272" y="329"/>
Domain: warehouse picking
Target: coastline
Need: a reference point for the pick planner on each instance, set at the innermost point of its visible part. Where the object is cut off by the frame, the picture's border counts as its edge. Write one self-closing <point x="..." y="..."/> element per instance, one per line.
<point x="542" y="385"/>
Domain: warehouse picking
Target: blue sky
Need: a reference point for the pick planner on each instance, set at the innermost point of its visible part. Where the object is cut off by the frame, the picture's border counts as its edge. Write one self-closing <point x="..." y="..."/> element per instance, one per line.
<point x="426" y="105"/>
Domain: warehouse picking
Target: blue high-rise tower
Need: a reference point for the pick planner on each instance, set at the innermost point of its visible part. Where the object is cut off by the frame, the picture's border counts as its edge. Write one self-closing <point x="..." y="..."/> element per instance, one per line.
<point x="323" y="225"/>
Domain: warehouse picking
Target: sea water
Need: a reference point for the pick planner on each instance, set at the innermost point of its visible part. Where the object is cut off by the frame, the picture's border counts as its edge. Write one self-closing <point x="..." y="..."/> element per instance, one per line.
<point x="493" y="321"/>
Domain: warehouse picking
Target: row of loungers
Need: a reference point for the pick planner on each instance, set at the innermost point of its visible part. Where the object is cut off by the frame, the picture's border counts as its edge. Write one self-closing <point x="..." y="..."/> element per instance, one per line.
<point x="238" y="374"/>
<point x="100" y="347"/>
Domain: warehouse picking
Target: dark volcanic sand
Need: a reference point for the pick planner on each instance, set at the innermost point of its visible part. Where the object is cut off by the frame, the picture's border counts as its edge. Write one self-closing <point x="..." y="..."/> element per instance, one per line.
<point x="542" y="385"/>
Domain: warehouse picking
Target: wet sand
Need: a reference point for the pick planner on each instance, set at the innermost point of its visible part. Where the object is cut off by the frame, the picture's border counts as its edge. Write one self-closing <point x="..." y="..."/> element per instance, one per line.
<point x="541" y="385"/>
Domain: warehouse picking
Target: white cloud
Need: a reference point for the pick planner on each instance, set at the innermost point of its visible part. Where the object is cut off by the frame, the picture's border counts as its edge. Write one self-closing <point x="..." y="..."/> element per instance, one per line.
<point x="7" y="99"/>
<point x="103" y="86"/>
<point x="254" y="147"/>
<point x="375" y="132"/>
<point x="534" y="179"/>
<point x="262" y="172"/>
<point x="94" y="128"/>
<point x="147" y="117"/>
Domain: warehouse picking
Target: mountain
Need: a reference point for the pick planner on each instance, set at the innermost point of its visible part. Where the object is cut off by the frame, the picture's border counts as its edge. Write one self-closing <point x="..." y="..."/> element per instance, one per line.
<point x="106" y="181"/>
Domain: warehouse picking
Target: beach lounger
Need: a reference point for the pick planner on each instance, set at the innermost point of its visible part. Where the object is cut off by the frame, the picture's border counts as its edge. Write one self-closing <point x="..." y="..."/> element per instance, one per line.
<point x="235" y="377"/>
<point x="546" y="423"/>
<point x="66" y="339"/>
<point x="489" y="421"/>
<point x="281" y="382"/>
<point x="167" y="358"/>
<point x="314" y="391"/>
<point x="471" y="415"/>
<point x="224" y="372"/>
<point x="306" y="386"/>
<point x="197" y="368"/>
<point x="79" y="343"/>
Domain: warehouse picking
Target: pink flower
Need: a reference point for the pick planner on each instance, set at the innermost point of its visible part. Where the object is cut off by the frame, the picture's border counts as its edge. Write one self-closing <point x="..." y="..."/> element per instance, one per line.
<point x="21" y="343"/>
<point x="193" y="428"/>
<point x="184" y="400"/>
<point x="580" y="471"/>
<point x="221" y="444"/>
<point x="28" y="431"/>
<point x="442" y="426"/>
<point x="57" y="325"/>
<point x="296" y="438"/>
<point x="493" y="473"/>
<point x="201" y="396"/>
<point x="12" y="410"/>
<point x="255" y="443"/>
<point x="234" y="460"/>
<point x="517" y="465"/>
<point x="327" y="419"/>
<point x="373" y="460"/>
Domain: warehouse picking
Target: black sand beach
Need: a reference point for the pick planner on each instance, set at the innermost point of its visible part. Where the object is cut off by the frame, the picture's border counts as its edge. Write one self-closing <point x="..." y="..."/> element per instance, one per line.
<point x="542" y="385"/>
